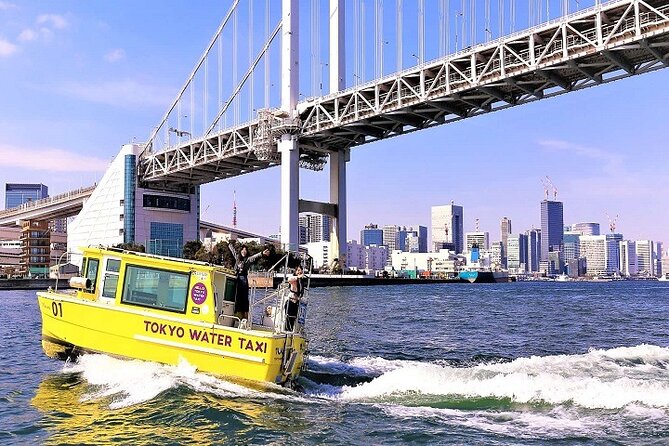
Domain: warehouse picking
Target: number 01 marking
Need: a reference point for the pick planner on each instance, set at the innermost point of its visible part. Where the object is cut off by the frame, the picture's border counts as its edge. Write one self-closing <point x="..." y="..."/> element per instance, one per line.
<point x="57" y="309"/>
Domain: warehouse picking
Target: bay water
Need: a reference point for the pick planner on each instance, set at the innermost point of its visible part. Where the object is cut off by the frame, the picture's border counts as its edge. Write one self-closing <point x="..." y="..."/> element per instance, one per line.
<point x="500" y="364"/>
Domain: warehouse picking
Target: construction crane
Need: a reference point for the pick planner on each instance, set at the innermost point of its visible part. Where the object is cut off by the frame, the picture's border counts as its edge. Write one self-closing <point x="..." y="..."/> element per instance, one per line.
<point x="612" y="222"/>
<point x="548" y="184"/>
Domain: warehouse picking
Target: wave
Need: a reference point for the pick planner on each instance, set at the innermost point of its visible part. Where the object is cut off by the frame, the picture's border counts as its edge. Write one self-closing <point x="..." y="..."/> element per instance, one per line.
<point x="600" y="379"/>
<point x="129" y="382"/>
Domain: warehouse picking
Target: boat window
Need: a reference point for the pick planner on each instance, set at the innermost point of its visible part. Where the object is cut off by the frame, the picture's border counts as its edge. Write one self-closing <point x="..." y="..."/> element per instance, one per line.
<point x="150" y="287"/>
<point x="92" y="273"/>
<point x="111" y="278"/>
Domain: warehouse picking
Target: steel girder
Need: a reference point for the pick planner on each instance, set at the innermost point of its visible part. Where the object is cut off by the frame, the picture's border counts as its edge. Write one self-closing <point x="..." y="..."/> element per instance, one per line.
<point x="595" y="46"/>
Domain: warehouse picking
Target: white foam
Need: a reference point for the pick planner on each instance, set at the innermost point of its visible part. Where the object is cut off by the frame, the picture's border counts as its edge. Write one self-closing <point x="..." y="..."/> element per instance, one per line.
<point x="605" y="379"/>
<point x="130" y="382"/>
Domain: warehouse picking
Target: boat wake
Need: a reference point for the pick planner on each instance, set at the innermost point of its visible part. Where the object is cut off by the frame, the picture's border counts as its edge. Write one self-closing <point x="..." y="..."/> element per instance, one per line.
<point x="599" y="379"/>
<point x="127" y="383"/>
<point x="595" y="393"/>
<point x="599" y="392"/>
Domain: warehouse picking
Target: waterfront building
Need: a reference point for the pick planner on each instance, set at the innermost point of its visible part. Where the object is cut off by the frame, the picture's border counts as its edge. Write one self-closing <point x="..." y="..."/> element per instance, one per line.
<point x="659" y="271"/>
<point x="36" y="249"/>
<point x="496" y="254"/>
<point x="441" y="262"/>
<point x="161" y="220"/>
<point x="646" y="265"/>
<point x="391" y="237"/>
<point x="317" y="227"/>
<point x="613" y="253"/>
<point x="586" y="228"/>
<point x="533" y="249"/>
<point x="478" y="238"/>
<point x="355" y="255"/>
<point x="320" y="253"/>
<point x="16" y="194"/>
<point x="552" y="229"/>
<point x="371" y="235"/>
<point x="571" y="245"/>
<point x="418" y="236"/>
<point x="505" y="230"/>
<point x="517" y="253"/>
<point x="601" y="253"/>
<point x="447" y="227"/>
<point x="628" y="258"/>
<point x="369" y="258"/>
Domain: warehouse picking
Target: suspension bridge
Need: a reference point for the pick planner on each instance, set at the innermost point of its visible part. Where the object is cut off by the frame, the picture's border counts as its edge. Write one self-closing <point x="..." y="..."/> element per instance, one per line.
<point x="258" y="96"/>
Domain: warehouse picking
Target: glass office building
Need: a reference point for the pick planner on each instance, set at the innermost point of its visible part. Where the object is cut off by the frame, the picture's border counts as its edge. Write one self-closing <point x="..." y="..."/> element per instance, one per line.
<point x="17" y="194"/>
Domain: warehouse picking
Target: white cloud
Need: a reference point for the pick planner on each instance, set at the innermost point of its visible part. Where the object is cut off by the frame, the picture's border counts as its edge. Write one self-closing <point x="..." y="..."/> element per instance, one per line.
<point x="127" y="93"/>
<point x="610" y="161"/>
<point x="7" y="48"/>
<point x="7" y="5"/>
<point x="28" y="35"/>
<point x="115" y="55"/>
<point x="54" y="20"/>
<point x="53" y="160"/>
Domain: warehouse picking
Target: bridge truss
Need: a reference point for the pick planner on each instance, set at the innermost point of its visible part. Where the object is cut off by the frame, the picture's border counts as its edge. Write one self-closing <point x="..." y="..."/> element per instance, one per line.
<point x="599" y="45"/>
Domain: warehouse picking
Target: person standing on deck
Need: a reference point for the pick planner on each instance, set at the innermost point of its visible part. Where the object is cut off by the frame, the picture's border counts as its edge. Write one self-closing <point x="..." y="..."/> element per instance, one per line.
<point x="242" y="264"/>
<point x="296" y="292"/>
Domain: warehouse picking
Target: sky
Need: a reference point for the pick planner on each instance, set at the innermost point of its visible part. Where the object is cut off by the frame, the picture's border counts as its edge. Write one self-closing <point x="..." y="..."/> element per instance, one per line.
<point x="80" y="79"/>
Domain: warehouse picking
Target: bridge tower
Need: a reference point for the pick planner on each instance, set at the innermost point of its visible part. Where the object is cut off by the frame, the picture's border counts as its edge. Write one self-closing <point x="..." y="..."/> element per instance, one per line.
<point x="288" y="146"/>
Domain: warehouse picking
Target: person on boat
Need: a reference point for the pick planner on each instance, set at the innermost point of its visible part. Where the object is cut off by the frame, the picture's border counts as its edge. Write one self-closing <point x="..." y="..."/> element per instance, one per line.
<point x="296" y="292"/>
<point x="242" y="263"/>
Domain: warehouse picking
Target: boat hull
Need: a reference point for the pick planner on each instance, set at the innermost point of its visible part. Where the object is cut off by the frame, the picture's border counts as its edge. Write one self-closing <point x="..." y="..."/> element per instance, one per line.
<point x="72" y="325"/>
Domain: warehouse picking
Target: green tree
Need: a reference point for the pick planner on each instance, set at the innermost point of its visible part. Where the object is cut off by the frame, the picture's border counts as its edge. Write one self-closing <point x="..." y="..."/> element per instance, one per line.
<point x="191" y="248"/>
<point x="130" y="247"/>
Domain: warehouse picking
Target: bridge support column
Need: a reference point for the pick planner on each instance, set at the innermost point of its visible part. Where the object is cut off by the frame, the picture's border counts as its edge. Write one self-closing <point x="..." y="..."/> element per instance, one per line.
<point x="290" y="192"/>
<point x="338" y="198"/>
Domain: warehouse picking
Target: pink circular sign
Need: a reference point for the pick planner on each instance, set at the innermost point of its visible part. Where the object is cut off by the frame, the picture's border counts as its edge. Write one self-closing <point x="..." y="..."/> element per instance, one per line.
<point x="198" y="293"/>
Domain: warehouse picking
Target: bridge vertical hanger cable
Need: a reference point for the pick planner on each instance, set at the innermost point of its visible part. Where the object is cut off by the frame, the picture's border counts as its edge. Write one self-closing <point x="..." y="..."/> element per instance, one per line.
<point x="463" y="35"/>
<point x="220" y="77"/>
<point x="448" y="26"/>
<point x="398" y="35"/>
<point x="421" y="31"/>
<point x="486" y="14"/>
<point x="312" y="46"/>
<point x="250" y="22"/>
<point x="472" y="22"/>
<point x="356" y="41"/>
<point x="441" y="28"/>
<point x="363" y="60"/>
<point x="513" y="15"/>
<point x="500" y="18"/>
<point x="235" y="108"/>
<point x="267" y="55"/>
<point x="177" y="101"/>
<point x="205" y="94"/>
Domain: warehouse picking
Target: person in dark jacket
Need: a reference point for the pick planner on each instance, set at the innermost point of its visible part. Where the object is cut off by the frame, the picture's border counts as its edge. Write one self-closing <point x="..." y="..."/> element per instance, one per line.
<point x="296" y="293"/>
<point x="242" y="263"/>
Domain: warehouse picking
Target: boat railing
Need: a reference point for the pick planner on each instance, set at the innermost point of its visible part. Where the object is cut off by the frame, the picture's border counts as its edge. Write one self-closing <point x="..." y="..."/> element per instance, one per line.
<point x="268" y="305"/>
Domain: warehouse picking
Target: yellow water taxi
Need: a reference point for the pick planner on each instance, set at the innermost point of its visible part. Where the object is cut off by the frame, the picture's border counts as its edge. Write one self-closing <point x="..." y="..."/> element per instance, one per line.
<point x="167" y="310"/>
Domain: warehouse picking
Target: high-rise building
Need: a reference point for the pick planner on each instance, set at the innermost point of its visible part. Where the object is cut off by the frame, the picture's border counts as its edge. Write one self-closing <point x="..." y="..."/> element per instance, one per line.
<point x="496" y="254"/>
<point x="613" y="253"/>
<point x="478" y="238"/>
<point x="552" y="229"/>
<point x="586" y="228"/>
<point x="418" y="236"/>
<point x="533" y="249"/>
<point x="659" y="271"/>
<point x="602" y="253"/>
<point x="571" y="245"/>
<point x="645" y="261"/>
<point x="36" y="248"/>
<point x="317" y="227"/>
<point x="391" y="237"/>
<point x="447" y="227"/>
<point x="505" y="230"/>
<point x="517" y="252"/>
<point x="17" y="194"/>
<point x="371" y="235"/>
<point x="628" y="262"/>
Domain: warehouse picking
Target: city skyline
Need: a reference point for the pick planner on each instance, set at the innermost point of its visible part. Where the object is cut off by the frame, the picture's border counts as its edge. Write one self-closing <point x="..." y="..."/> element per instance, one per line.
<point x="101" y="81"/>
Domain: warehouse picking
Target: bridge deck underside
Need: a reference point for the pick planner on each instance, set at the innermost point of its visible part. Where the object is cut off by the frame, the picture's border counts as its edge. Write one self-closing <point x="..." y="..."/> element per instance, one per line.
<point x="590" y="48"/>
